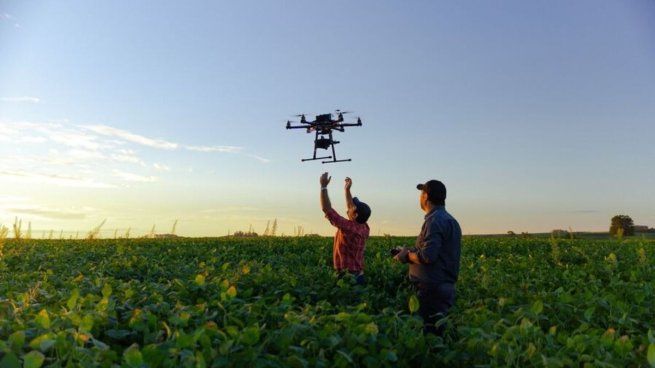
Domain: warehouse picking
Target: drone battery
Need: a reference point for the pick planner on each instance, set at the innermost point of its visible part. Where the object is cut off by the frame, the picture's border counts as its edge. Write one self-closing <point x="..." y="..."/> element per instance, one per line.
<point x="324" y="118"/>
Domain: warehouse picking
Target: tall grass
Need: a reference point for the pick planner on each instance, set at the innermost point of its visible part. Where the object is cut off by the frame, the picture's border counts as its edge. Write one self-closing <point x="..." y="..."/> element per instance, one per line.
<point x="95" y="232"/>
<point x="18" y="224"/>
<point x="3" y="235"/>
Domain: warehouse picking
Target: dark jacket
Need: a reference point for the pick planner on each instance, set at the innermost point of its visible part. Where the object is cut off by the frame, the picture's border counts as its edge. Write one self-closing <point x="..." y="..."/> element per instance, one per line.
<point x="438" y="247"/>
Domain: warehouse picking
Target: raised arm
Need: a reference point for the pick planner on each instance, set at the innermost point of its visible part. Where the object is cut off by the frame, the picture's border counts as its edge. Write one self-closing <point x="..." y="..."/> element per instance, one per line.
<point x="349" y="197"/>
<point x="325" y="199"/>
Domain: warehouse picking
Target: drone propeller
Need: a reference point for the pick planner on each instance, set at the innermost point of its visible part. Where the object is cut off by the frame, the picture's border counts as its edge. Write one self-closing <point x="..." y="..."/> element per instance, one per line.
<point x="343" y="112"/>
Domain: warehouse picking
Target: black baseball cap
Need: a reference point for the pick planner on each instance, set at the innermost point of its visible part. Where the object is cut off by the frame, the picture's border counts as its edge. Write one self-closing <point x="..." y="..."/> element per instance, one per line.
<point x="435" y="189"/>
<point x="363" y="211"/>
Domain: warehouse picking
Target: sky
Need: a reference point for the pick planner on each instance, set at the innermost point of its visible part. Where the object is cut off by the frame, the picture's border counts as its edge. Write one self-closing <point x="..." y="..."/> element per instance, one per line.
<point x="536" y="115"/>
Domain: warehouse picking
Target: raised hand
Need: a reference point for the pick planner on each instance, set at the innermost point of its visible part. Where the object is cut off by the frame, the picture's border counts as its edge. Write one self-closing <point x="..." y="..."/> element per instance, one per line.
<point x="325" y="180"/>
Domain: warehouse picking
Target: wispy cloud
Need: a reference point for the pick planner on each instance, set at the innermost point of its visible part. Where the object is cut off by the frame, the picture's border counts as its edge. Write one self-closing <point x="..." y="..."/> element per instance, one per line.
<point x="127" y="155"/>
<point x="230" y="209"/>
<point x="56" y="179"/>
<point x="131" y="137"/>
<point x="223" y="149"/>
<point x="27" y="99"/>
<point x="161" y="167"/>
<point x="93" y="156"/>
<point x="260" y="158"/>
<point x="131" y="177"/>
<point x="9" y="18"/>
<point x="53" y="213"/>
<point x="584" y="211"/>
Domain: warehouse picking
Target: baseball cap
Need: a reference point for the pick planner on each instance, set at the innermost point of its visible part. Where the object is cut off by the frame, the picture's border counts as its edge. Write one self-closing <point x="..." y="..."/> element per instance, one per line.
<point x="363" y="210"/>
<point x="435" y="189"/>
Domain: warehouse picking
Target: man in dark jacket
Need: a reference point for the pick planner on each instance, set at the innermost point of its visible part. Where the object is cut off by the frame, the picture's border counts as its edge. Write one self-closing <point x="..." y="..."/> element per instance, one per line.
<point x="434" y="261"/>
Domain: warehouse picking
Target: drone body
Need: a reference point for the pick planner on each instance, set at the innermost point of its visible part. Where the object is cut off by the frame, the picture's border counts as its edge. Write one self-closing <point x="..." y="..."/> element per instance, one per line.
<point x="323" y="125"/>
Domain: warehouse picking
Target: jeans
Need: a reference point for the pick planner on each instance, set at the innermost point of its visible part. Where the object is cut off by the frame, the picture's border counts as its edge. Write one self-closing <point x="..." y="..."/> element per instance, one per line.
<point x="434" y="302"/>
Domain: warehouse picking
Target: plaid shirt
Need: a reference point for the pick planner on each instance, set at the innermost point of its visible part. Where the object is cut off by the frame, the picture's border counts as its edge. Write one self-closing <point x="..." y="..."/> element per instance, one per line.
<point x="349" y="243"/>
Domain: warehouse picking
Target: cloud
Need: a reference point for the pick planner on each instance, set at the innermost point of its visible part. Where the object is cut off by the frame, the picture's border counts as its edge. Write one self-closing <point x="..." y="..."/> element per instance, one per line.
<point x="161" y="167"/>
<point x="260" y="159"/>
<point x="49" y="212"/>
<point x="90" y="156"/>
<point x="584" y="211"/>
<point x="27" y="99"/>
<point x="126" y="176"/>
<point x="223" y="149"/>
<point x="230" y="209"/>
<point x="71" y="138"/>
<point x="131" y="137"/>
<point x="61" y="180"/>
<point x="126" y="155"/>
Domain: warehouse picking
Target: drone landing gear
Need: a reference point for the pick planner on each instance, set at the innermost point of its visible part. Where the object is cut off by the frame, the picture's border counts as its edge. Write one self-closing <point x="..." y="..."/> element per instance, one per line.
<point x="333" y="161"/>
<point x="315" y="158"/>
<point x="324" y="143"/>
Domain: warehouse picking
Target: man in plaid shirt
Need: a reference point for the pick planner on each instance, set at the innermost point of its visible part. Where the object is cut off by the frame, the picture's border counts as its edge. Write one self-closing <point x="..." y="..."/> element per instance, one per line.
<point x="350" y="239"/>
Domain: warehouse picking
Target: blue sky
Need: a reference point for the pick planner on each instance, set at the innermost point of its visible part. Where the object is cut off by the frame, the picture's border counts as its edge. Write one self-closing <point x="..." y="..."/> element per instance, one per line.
<point x="536" y="115"/>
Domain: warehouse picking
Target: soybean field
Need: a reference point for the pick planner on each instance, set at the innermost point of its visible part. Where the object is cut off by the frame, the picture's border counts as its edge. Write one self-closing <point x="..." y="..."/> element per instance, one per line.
<point x="276" y="302"/>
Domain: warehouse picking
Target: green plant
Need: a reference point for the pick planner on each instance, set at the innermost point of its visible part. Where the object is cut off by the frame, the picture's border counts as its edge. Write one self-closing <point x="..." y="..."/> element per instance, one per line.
<point x="276" y="301"/>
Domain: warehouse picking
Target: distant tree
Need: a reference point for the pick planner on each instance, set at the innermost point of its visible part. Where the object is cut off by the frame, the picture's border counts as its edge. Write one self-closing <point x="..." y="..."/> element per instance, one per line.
<point x="622" y="222"/>
<point x="560" y="234"/>
<point x="242" y="234"/>
<point x="511" y="233"/>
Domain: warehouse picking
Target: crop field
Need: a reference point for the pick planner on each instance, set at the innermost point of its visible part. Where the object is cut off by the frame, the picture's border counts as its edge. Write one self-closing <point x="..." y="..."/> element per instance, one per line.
<point x="274" y="302"/>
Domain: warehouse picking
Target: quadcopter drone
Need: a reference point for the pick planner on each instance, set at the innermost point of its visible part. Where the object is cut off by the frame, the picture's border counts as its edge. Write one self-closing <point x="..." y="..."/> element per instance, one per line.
<point x="323" y="125"/>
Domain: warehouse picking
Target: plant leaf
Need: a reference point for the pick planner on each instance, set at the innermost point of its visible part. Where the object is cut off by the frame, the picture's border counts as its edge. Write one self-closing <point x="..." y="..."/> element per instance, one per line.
<point x="413" y="304"/>
<point x="33" y="359"/>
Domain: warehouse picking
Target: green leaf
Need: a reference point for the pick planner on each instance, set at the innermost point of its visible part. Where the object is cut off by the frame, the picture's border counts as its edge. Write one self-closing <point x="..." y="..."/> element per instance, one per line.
<point x="72" y="301"/>
<point x="43" y="319"/>
<point x="537" y="307"/>
<point x="413" y="304"/>
<point x="133" y="356"/>
<point x="118" y="334"/>
<point x="106" y="290"/>
<point x="250" y="335"/>
<point x="43" y="342"/>
<point x="391" y="356"/>
<point x="651" y="355"/>
<point x="87" y="323"/>
<point x="33" y="359"/>
<point x="10" y="360"/>
<point x="371" y="329"/>
<point x="17" y="340"/>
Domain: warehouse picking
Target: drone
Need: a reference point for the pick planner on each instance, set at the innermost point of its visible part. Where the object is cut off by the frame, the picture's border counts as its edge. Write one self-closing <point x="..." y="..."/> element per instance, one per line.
<point x="323" y="125"/>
